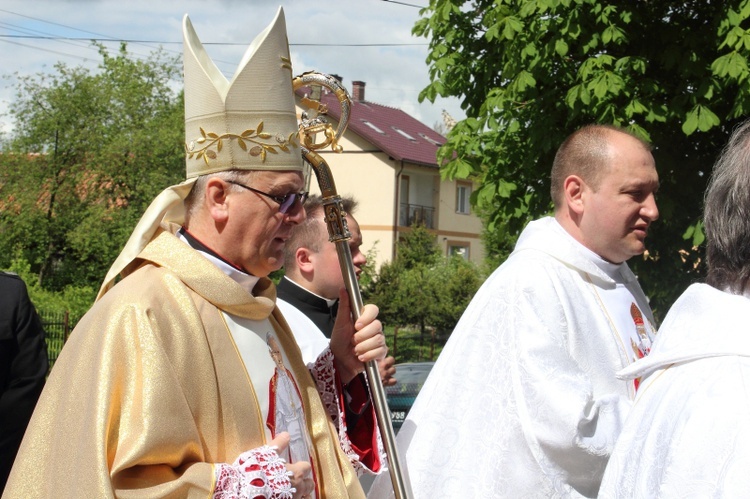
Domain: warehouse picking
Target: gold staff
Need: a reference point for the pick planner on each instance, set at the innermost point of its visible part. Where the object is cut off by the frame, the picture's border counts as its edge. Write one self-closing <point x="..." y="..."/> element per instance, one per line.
<point x="338" y="232"/>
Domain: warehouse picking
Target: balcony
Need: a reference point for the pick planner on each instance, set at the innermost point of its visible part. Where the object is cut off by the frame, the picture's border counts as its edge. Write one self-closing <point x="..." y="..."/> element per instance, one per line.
<point x="410" y="214"/>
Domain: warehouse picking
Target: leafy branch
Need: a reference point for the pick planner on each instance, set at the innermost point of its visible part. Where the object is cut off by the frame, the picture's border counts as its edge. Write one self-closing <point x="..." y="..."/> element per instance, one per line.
<point x="245" y="140"/>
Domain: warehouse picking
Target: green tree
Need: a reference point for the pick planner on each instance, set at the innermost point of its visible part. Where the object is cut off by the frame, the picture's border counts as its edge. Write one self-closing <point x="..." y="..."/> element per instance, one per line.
<point x="369" y="272"/>
<point x="421" y="288"/>
<point x="453" y="282"/>
<point x="74" y="299"/>
<point x="529" y="72"/>
<point x="89" y="151"/>
<point x="417" y="248"/>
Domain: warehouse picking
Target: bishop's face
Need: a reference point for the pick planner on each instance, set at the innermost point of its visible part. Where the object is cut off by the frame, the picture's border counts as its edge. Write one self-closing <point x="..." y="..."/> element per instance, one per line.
<point x="255" y="232"/>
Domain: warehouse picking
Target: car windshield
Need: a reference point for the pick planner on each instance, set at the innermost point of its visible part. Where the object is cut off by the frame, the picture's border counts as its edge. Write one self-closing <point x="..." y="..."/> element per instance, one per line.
<point x="410" y="378"/>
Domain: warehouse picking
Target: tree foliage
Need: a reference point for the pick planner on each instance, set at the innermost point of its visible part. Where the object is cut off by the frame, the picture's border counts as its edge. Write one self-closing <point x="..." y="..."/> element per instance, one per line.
<point x="422" y="288"/>
<point x="529" y="72"/>
<point x="88" y="153"/>
<point x="73" y="299"/>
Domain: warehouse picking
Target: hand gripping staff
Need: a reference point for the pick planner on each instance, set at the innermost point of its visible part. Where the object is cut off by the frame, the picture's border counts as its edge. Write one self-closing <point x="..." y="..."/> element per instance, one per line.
<point x="339" y="234"/>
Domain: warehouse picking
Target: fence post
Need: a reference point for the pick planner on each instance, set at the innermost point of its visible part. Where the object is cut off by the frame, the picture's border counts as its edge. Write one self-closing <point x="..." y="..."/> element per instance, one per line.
<point x="432" y="344"/>
<point x="66" y="327"/>
<point x="395" y="337"/>
<point x="421" y="343"/>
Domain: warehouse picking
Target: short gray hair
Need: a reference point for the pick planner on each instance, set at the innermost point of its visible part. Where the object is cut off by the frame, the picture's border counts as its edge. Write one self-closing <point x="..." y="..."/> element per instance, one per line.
<point x="727" y="215"/>
<point x="194" y="200"/>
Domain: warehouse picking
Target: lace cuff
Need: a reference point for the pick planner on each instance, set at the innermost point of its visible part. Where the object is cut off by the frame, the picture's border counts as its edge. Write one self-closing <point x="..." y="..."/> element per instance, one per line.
<point x="328" y="383"/>
<point x="258" y="473"/>
<point x="324" y="374"/>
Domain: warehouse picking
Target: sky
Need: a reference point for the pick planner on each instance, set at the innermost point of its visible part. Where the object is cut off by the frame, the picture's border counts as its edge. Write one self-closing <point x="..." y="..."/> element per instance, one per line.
<point x="359" y="40"/>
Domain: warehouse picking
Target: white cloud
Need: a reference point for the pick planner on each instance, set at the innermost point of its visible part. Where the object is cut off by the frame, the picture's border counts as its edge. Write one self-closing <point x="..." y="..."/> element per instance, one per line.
<point x="394" y="75"/>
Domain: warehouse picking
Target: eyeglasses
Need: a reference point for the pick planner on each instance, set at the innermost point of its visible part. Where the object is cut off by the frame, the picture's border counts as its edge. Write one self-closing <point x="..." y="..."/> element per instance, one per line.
<point x="285" y="202"/>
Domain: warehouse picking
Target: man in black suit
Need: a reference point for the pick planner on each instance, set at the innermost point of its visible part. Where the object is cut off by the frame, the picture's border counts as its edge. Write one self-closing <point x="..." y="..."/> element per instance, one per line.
<point x="23" y="367"/>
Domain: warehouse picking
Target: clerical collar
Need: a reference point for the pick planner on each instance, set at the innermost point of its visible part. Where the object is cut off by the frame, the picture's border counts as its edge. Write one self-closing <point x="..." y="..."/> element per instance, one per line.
<point x="613" y="270"/>
<point x="330" y="303"/>
<point x="238" y="275"/>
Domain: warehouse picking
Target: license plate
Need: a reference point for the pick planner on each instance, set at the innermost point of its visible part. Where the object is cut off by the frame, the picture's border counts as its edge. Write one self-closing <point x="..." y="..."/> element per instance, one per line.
<point x="398" y="416"/>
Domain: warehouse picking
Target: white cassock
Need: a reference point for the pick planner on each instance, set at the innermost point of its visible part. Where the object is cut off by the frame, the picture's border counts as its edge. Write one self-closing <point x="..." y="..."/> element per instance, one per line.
<point x="688" y="434"/>
<point x="310" y="338"/>
<point x="523" y="401"/>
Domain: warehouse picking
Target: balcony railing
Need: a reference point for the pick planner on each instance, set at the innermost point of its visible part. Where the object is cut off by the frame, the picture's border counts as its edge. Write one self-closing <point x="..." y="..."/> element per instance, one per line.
<point x="409" y="214"/>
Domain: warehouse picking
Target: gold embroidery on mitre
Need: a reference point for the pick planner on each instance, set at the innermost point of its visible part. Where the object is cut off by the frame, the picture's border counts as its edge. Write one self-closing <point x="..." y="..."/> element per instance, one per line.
<point x="253" y="136"/>
<point x="286" y="63"/>
<point x="249" y="121"/>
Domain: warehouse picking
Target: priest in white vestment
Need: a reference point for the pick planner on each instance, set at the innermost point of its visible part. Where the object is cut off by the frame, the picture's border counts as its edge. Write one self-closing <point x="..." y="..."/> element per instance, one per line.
<point x="184" y="380"/>
<point x="523" y="400"/>
<point x="688" y="434"/>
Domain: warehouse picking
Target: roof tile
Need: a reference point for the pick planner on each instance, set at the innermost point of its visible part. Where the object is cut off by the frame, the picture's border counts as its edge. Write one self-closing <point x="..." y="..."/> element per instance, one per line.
<point x="399" y="135"/>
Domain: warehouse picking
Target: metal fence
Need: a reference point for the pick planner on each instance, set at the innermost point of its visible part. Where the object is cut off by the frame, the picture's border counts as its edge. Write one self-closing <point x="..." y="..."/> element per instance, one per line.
<point x="409" y="345"/>
<point x="411" y="214"/>
<point x="405" y="344"/>
<point x="57" y="327"/>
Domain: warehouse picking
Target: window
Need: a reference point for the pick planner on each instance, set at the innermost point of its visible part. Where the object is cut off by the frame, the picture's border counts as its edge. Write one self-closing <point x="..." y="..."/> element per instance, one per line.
<point x="373" y="126"/>
<point x="463" y="193"/>
<point x="458" y="249"/>
<point x="431" y="140"/>
<point x="404" y="134"/>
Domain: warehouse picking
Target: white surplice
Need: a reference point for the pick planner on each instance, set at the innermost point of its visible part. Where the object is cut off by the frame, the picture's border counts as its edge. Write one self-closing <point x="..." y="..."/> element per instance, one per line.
<point x="688" y="434"/>
<point x="310" y="338"/>
<point x="523" y="400"/>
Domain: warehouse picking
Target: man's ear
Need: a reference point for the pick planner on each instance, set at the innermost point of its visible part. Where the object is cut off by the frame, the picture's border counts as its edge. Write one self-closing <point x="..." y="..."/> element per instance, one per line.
<point x="217" y="199"/>
<point x="573" y="189"/>
<point x="304" y="259"/>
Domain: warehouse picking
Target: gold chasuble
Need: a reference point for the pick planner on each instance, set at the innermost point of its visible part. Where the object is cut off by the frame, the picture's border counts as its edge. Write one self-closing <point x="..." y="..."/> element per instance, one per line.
<point x="150" y="391"/>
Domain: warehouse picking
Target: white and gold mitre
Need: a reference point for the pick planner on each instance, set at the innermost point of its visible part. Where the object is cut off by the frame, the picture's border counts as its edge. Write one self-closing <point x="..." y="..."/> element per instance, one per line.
<point x="248" y="123"/>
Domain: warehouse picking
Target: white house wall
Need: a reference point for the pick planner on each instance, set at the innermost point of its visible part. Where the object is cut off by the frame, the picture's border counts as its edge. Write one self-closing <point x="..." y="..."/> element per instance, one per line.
<point x="458" y="229"/>
<point x="370" y="176"/>
<point x="370" y="181"/>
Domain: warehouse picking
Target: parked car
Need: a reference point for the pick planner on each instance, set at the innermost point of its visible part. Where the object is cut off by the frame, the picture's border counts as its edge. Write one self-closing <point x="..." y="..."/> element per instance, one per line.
<point x="409" y="380"/>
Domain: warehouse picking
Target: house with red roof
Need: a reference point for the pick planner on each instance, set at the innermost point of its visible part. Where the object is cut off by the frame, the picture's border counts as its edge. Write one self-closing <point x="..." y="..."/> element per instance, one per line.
<point x="388" y="164"/>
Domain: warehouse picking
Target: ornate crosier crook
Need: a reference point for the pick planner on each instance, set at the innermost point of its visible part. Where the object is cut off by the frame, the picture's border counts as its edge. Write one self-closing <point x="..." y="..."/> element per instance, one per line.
<point x="338" y="232"/>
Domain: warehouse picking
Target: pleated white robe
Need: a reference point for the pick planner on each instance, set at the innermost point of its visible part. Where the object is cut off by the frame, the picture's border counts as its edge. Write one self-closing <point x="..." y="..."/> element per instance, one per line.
<point x="688" y="434"/>
<point x="523" y="401"/>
